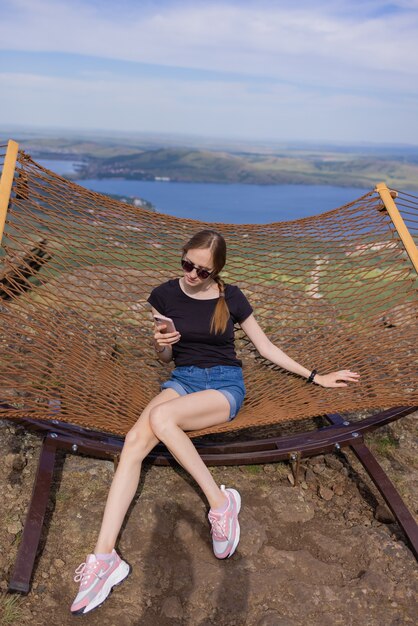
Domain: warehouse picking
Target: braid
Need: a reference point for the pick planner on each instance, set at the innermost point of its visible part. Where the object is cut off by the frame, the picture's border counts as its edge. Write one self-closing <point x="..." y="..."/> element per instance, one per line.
<point x="221" y="314"/>
<point x="218" y="280"/>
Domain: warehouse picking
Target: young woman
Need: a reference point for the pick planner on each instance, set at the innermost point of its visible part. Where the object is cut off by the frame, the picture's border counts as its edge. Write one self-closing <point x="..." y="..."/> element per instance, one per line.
<point x="206" y="388"/>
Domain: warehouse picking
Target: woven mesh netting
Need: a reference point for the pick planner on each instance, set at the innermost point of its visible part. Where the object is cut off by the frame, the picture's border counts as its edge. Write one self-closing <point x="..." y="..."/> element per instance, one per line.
<point x="334" y="291"/>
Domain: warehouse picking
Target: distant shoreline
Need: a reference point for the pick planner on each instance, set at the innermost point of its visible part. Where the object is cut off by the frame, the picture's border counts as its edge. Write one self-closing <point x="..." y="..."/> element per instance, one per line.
<point x="105" y="159"/>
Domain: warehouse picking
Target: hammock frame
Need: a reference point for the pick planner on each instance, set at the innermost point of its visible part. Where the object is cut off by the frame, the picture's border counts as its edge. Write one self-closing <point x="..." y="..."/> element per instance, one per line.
<point x="341" y="432"/>
<point x="331" y="439"/>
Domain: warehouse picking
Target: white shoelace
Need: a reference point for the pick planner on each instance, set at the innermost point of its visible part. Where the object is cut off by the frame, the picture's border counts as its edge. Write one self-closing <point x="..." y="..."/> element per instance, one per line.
<point x="84" y="571"/>
<point x="218" y="527"/>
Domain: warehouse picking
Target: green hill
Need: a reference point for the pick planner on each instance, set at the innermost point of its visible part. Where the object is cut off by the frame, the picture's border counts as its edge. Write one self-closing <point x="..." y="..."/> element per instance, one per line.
<point x="187" y="165"/>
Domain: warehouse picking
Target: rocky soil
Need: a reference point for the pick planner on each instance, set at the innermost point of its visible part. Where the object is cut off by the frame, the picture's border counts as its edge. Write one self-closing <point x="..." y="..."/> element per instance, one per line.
<point x="327" y="552"/>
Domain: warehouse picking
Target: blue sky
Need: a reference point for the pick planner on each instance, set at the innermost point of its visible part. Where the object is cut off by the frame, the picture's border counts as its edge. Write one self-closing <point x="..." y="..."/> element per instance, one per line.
<point x="340" y="70"/>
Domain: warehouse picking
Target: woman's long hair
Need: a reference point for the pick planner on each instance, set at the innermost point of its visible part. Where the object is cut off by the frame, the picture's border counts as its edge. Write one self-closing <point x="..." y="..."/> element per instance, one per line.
<point x="216" y="243"/>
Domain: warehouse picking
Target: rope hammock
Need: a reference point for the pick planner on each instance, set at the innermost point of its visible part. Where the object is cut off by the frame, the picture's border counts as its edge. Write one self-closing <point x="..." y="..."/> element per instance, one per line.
<point x="334" y="291"/>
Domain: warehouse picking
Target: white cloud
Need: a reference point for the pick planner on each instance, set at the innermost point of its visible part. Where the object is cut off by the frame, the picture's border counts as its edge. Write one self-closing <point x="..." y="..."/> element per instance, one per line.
<point x="266" y="39"/>
<point x="336" y="69"/>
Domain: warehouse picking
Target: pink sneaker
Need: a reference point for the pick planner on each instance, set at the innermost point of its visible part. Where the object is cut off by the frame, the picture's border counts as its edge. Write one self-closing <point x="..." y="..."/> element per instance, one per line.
<point x="97" y="577"/>
<point x="225" y="527"/>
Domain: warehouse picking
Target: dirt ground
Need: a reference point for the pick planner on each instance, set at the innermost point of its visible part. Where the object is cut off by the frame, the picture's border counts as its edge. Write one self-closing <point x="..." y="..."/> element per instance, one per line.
<point x="327" y="552"/>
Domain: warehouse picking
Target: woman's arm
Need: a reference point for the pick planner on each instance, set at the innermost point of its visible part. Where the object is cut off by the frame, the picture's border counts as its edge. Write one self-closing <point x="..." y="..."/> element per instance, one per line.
<point x="163" y="341"/>
<point x="271" y="352"/>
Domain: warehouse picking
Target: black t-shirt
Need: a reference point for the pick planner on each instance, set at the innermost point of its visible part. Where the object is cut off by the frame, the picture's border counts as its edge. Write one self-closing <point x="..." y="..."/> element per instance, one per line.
<point x="191" y="317"/>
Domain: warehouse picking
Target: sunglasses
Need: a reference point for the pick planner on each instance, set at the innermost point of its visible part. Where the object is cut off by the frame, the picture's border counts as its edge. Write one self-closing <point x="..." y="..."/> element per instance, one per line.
<point x="188" y="267"/>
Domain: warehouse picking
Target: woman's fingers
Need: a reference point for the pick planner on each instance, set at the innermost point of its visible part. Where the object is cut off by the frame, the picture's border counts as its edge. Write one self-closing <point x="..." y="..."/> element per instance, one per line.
<point x="159" y="335"/>
<point x="339" y="379"/>
<point x="165" y="339"/>
<point x="171" y="337"/>
<point x="348" y="375"/>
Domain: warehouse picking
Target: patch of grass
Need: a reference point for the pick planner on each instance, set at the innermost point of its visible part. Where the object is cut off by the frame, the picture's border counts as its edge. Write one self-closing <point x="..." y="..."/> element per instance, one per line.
<point x="10" y="611"/>
<point x="17" y="538"/>
<point x="63" y="496"/>
<point x="253" y="469"/>
<point x="386" y="444"/>
<point x="9" y="518"/>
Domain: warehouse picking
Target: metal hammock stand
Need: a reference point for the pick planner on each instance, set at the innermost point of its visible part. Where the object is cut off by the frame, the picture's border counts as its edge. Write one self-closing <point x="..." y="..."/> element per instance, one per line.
<point x="335" y="290"/>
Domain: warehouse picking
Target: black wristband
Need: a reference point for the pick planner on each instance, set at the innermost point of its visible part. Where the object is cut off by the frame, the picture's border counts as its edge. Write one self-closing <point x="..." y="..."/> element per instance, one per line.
<point x="311" y="376"/>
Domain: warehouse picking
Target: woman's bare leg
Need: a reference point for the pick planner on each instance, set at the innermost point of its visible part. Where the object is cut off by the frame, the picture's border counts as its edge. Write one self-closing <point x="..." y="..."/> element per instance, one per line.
<point x="139" y="442"/>
<point x="194" y="411"/>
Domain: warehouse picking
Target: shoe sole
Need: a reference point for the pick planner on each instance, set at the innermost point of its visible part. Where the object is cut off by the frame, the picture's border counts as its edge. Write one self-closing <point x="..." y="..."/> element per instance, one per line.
<point x="237" y="499"/>
<point x="115" y="579"/>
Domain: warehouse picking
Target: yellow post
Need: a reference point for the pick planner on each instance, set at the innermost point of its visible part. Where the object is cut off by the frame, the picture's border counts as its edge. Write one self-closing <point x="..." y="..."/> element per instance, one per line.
<point x="398" y="222"/>
<point x="6" y="181"/>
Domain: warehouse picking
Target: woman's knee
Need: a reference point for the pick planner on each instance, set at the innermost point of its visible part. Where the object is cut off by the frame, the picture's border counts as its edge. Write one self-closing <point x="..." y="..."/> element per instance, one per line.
<point x="137" y="444"/>
<point x="158" y="421"/>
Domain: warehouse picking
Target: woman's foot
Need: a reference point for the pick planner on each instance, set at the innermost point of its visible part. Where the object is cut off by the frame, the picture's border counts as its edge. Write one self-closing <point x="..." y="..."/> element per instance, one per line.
<point x="225" y="527"/>
<point x="97" y="576"/>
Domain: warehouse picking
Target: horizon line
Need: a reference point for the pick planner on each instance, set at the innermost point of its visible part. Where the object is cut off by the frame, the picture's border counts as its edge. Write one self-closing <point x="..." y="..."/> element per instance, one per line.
<point x="112" y="133"/>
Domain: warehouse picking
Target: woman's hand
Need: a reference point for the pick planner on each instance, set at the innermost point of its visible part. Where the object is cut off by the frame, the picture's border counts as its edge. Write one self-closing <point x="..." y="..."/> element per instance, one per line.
<point x="335" y="379"/>
<point x="163" y="339"/>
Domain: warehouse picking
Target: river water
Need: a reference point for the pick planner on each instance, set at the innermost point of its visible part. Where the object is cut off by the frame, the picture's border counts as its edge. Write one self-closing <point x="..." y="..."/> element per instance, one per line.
<point x="229" y="203"/>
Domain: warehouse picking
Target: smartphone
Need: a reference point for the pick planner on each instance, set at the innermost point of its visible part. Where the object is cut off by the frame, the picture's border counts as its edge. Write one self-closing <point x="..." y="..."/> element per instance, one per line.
<point x="161" y="319"/>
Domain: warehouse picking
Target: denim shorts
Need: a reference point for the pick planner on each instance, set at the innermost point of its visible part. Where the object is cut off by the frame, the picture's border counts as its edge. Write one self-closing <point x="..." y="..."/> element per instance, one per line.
<point x="224" y="378"/>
